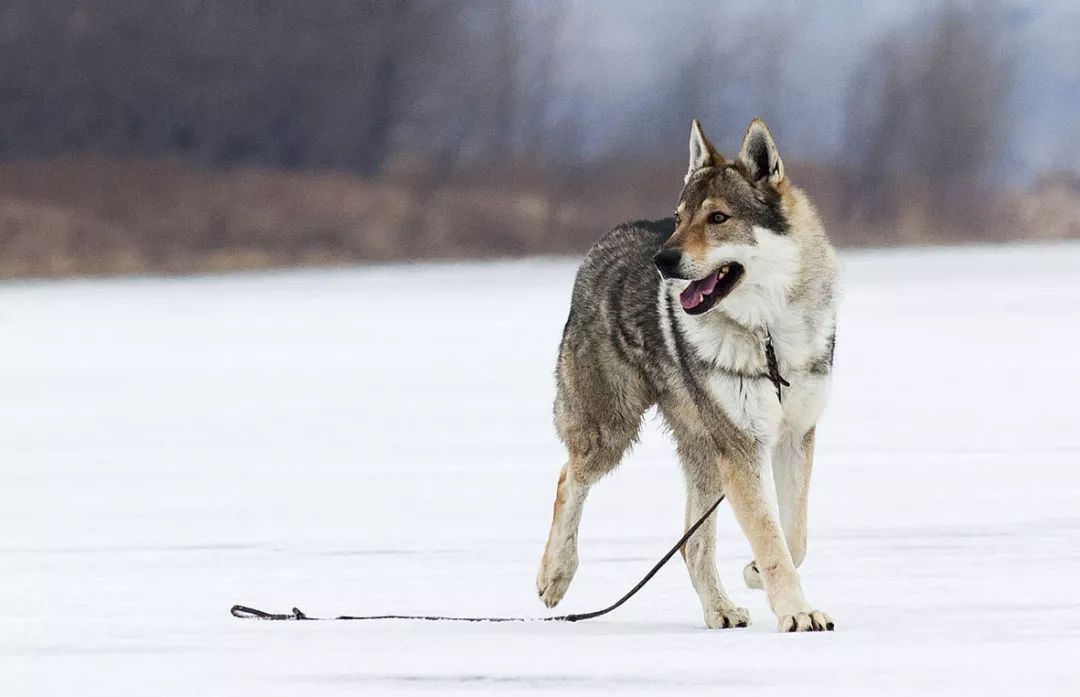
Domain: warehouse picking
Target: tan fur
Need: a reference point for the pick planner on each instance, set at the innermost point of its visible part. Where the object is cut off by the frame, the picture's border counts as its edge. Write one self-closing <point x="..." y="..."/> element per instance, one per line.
<point x="694" y="240"/>
<point x="716" y="204"/>
<point x="794" y="520"/>
<point x="756" y="511"/>
<point x="629" y="344"/>
<point x="699" y="554"/>
<point x="560" y="500"/>
<point x="693" y="237"/>
<point x="791" y="472"/>
<point x="559" y="561"/>
<point x="560" y="493"/>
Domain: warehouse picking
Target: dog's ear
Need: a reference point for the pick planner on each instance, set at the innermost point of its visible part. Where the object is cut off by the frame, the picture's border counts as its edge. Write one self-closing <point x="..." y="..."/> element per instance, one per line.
<point x="759" y="155"/>
<point x="702" y="152"/>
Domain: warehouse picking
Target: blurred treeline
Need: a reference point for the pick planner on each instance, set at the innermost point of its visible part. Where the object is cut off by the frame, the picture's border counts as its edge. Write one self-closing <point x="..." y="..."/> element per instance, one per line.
<point x="175" y="135"/>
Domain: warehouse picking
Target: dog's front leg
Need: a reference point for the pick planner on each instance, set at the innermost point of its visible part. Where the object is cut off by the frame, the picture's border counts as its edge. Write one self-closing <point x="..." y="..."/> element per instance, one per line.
<point x="750" y="489"/>
<point x="699" y="552"/>
<point x="793" y="458"/>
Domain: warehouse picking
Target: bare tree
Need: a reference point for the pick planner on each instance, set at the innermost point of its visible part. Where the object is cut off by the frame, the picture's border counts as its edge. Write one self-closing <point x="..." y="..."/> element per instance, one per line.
<point x="924" y="122"/>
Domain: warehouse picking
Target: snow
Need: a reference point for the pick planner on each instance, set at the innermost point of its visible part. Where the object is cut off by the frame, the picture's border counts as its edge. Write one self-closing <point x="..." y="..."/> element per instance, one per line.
<point x="380" y="440"/>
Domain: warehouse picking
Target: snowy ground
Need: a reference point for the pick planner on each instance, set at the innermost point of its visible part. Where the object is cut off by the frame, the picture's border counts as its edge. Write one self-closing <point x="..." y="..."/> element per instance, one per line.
<point x="380" y="440"/>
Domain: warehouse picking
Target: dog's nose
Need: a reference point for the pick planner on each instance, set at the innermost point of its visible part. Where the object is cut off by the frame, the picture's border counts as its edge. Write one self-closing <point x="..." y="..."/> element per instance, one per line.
<point x="667" y="262"/>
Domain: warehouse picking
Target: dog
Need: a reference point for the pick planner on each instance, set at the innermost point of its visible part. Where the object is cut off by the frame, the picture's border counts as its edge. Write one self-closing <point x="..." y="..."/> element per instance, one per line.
<point x="723" y="317"/>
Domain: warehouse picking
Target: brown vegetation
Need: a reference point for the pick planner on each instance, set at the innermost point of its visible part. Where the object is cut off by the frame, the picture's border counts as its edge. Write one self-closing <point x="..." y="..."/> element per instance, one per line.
<point x="93" y="216"/>
<point x="90" y="215"/>
<point x="236" y="134"/>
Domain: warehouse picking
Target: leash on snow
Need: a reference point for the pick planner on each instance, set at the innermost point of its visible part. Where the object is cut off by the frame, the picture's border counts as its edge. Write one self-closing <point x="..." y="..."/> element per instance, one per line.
<point x="244" y="612"/>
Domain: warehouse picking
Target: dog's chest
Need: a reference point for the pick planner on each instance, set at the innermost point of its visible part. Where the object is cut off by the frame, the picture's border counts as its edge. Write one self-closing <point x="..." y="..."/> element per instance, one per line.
<point x="738" y="382"/>
<point x="750" y="403"/>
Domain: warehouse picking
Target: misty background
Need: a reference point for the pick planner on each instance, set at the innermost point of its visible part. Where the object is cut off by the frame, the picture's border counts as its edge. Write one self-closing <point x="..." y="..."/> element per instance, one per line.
<point x="196" y="135"/>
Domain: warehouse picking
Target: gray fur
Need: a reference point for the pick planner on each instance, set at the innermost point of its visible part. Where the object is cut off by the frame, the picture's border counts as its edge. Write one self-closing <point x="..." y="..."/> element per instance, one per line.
<point x="628" y="345"/>
<point x="614" y="362"/>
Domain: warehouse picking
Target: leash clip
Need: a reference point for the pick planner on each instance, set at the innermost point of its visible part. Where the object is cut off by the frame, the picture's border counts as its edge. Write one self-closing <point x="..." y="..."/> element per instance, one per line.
<point x="244" y="612"/>
<point x="774" y="367"/>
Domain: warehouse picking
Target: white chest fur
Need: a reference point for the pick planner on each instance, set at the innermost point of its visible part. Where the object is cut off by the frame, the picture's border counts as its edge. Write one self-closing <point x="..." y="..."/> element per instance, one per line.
<point x="750" y="403"/>
<point x="753" y="406"/>
<point x="737" y="356"/>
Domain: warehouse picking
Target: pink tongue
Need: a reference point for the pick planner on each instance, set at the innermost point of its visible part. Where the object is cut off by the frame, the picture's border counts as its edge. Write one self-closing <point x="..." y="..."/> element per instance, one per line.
<point x="691" y="297"/>
<point x="697" y="290"/>
<point x="708" y="284"/>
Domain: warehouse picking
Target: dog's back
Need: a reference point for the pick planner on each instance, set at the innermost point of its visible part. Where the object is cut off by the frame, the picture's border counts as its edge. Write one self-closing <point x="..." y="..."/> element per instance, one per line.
<point x="613" y="314"/>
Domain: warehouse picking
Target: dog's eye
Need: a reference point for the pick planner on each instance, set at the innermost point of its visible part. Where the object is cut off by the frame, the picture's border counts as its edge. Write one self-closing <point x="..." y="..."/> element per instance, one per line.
<point x="716" y="217"/>
<point x="676" y="216"/>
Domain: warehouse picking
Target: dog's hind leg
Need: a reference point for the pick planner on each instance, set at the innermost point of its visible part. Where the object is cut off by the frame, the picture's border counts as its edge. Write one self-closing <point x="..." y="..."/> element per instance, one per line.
<point x="560" y="559"/>
<point x="699" y="552"/>
<point x="596" y="447"/>
<point x="793" y="459"/>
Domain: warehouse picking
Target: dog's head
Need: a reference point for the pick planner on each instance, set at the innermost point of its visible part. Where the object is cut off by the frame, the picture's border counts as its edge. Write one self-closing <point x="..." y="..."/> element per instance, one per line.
<point x="731" y="234"/>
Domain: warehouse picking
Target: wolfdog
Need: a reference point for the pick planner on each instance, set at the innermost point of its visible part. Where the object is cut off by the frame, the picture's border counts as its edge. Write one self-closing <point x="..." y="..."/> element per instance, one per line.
<point x="724" y="317"/>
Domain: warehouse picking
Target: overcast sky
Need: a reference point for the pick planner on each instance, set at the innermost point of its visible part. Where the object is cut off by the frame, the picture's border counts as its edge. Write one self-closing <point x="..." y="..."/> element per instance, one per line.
<point x="622" y="53"/>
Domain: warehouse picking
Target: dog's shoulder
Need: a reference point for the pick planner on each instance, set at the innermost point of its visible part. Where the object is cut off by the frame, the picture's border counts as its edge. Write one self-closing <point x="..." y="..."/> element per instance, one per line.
<point x="660" y="230"/>
<point x="642" y="236"/>
<point x="623" y="256"/>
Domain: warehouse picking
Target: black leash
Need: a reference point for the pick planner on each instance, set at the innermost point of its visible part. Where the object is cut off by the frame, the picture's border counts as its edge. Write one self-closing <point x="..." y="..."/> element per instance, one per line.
<point x="774" y="367"/>
<point x="244" y="612"/>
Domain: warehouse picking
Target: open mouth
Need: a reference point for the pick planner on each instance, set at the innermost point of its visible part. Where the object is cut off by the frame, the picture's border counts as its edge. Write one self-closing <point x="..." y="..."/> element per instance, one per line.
<point x="701" y="295"/>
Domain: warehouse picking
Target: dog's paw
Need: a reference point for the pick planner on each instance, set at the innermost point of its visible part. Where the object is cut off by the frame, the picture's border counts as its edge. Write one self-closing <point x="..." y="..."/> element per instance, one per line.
<point x="809" y="621"/>
<point x="727" y="618"/>
<point x="554" y="578"/>
<point x="753" y="577"/>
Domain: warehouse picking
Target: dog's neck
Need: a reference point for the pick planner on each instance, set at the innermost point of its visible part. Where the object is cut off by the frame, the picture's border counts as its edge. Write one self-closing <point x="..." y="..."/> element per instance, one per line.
<point x="796" y="332"/>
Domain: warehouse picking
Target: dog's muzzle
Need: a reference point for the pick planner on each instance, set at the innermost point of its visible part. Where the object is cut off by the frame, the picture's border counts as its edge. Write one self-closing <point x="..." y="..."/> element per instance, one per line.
<point x="667" y="263"/>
